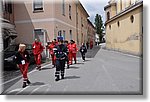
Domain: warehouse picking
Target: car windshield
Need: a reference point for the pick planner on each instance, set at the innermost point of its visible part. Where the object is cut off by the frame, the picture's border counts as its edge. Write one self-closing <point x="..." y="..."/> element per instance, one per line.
<point x="12" y="48"/>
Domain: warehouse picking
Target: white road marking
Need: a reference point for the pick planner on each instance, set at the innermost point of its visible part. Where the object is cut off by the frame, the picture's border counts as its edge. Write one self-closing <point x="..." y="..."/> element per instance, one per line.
<point x="47" y="90"/>
<point x="22" y="90"/>
<point x="18" y="89"/>
<point x="37" y="89"/>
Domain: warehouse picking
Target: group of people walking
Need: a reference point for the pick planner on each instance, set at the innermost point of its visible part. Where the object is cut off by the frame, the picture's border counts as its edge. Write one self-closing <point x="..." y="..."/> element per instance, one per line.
<point x="61" y="52"/>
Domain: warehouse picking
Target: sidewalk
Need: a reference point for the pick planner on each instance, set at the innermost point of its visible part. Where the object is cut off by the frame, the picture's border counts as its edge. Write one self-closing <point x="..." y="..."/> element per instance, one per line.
<point x="106" y="73"/>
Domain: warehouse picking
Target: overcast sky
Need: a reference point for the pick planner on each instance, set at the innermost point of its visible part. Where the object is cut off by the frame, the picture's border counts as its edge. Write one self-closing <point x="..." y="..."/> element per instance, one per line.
<point x="94" y="7"/>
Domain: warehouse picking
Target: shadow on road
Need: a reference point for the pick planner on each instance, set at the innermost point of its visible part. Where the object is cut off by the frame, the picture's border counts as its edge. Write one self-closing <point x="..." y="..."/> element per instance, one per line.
<point x="87" y="60"/>
<point x="37" y="83"/>
<point x="72" y="77"/>
<point x="79" y="63"/>
<point x="73" y="67"/>
<point x="46" y="68"/>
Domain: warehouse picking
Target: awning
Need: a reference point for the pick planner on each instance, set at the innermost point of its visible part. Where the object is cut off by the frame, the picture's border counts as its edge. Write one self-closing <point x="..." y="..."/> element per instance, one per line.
<point x="9" y="33"/>
<point x="6" y="24"/>
<point x="8" y="29"/>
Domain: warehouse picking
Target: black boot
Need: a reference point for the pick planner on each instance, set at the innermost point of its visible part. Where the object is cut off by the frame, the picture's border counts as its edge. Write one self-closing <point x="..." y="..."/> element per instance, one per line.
<point x="28" y="82"/>
<point x="24" y="84"/>
<point x="53" y="66"/>
<point x="40" y="68"/>
<point x="57" y="78"/>
<point x="68" y="66"/>
<point x="62" y="76"/>
<point x="75" y="62"/>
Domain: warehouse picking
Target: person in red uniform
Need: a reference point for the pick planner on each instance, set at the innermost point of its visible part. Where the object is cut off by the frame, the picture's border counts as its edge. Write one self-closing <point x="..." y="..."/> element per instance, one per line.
<point x="22" y="60"/>
<point x="55" y="42"/>
<point x="51" y="51"/>
<point x="37" y="50"/>
<point x="91" y="44"/>
<point x="70" y="53"/>
<point x="74" y="50"/>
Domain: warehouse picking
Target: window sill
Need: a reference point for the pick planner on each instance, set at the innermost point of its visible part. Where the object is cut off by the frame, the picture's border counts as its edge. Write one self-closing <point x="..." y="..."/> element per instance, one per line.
<point x="37" y="11"/>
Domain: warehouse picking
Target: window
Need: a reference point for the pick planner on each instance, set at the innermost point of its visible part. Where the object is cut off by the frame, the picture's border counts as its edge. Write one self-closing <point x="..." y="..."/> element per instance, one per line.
<point x="132" y="19"/>
<point x="38" y="5"/>
<point x="70" y="34"/>
<point x="82" y="38"/>
<point x="82" y="21"/>
<point x="7" y="7"/>
<point x="110" y="27"/>
<point x="118" y="23"/>
<point x="63" y="7"/>
<point x="70" y="11"/>
<point x="77" y="38"/>
<point x="120" y="4"/>
<point x="38" y="34"/>
<point x="108" y="15"/>
<point x="130" y="2"/>
<point x="64" y="34"/>
<point x="77" y="17"/>
<point x="59" y="33"/>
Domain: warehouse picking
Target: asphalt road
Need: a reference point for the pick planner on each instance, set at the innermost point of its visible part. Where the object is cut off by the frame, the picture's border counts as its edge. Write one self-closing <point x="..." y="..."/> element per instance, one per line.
<point x="108" y="72"/>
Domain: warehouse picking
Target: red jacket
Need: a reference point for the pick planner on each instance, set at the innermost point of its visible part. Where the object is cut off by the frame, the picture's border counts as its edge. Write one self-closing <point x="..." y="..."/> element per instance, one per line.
<point x="69" y="46"/>
<point x="74" y="48"/>
<point x="37" y="48"/>
<point x="50" y="47"/>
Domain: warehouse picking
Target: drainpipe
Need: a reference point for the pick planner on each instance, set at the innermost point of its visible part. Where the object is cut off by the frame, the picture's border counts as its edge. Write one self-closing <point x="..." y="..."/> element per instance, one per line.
<point x="1" y="51"/>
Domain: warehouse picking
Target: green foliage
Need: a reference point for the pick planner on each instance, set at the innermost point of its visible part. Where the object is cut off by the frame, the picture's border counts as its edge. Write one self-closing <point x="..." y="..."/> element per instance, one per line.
<point x="99" y="26"/>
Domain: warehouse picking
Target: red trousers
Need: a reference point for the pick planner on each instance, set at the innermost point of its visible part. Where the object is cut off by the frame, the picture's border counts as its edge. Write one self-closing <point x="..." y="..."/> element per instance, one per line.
<point x="53" y="59"/>
<point x="37" y="59"/>
<point x="72" y="56"/>
<point x="24" y="70"/>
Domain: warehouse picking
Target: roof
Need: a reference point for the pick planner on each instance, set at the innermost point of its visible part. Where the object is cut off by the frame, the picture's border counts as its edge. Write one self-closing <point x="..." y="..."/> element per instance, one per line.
<point x="107" y="6"/>
<point x="83" y="8"/>
<point x="90" y="23"/>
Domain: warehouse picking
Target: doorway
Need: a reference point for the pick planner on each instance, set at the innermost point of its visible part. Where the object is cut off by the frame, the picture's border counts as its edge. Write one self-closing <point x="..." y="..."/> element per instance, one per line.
<point x="41" y="35"/>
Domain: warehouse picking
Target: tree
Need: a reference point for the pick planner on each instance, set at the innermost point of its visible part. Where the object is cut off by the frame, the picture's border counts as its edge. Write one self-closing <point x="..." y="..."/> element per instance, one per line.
<point x="99" y="26"/>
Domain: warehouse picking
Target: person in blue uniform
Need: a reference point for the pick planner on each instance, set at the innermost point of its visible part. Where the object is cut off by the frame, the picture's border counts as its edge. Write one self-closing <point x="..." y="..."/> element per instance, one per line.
<point x="61" y="53"/>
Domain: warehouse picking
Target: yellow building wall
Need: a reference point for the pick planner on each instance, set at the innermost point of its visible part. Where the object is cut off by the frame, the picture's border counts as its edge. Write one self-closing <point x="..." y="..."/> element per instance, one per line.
<point x="126" y="37"/>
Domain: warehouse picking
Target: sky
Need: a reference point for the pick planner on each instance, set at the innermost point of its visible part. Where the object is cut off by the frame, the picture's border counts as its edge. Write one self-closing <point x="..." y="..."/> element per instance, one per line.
<point x="94" y="7"/>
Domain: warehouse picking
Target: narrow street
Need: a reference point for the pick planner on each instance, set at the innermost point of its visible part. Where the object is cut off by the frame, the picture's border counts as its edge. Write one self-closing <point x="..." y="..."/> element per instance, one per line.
<point x="107" y="72"/>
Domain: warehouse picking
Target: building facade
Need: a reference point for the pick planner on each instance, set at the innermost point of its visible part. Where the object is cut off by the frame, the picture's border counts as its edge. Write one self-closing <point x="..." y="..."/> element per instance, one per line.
<point x="7" y="23"/>
<point x="124" y="26"/>
<point x="91" y="32"/>
<point x="48" y="20"/>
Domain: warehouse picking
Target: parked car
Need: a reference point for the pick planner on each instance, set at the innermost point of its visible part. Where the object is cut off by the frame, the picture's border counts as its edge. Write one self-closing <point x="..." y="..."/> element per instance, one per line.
<point x="9" y="56"/>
